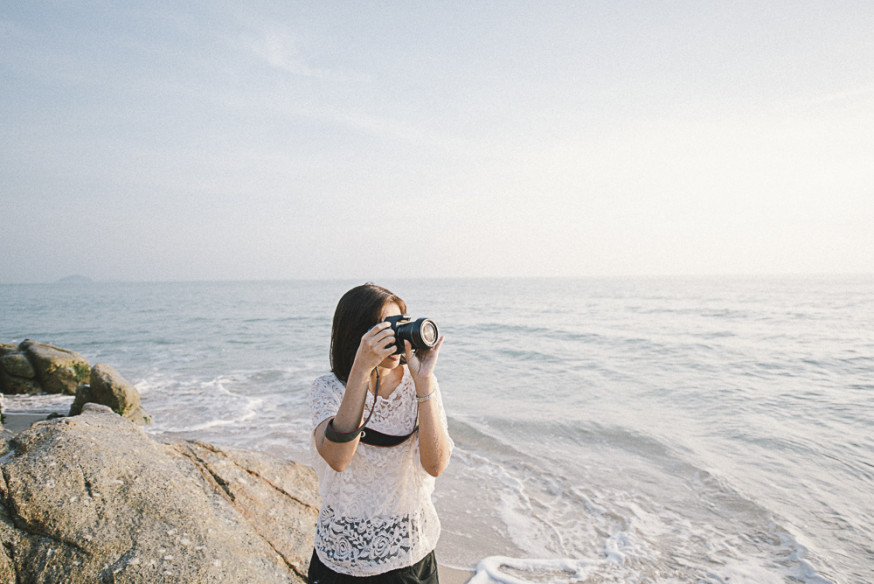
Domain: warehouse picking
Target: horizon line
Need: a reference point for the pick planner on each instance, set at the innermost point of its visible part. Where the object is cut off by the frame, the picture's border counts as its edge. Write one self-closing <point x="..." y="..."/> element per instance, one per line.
<point x="77" y="279"/>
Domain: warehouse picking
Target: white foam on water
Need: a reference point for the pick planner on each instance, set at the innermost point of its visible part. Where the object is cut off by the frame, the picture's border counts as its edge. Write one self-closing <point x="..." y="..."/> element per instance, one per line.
<point x="37" y="404"/>
<point x="508" y="570"/>
<point x="171" y="404"/>
<point x="264" y="410"/>
<point x="504" y="570"/>
<point x="558" y="525"/>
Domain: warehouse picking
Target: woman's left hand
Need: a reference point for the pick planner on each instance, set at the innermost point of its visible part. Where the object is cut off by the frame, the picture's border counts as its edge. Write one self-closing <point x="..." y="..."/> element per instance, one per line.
<point x="423" y="361"/>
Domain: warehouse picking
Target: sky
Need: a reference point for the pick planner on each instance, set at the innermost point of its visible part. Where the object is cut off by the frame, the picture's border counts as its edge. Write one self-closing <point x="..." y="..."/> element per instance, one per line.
<point x="366" y="140"/>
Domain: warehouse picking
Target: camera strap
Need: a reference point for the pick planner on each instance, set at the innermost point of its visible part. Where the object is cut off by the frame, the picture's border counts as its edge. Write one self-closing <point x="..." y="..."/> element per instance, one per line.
<point x="374" y="438"/>
<point x="370" y="436"/>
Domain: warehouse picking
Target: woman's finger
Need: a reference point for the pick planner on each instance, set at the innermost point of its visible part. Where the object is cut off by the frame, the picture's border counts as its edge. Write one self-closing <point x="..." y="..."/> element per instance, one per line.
<point x="378" y="342"/>
<point x="377" y="334"/>
<point x="376" y="329"/>
<point x="385" y="342"/>
<point x="424" y="360"/>
<point x="433" y="351"/>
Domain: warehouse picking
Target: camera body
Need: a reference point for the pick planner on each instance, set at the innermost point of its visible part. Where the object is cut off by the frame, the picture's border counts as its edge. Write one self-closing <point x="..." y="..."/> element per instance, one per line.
<point x="422" y="333"/>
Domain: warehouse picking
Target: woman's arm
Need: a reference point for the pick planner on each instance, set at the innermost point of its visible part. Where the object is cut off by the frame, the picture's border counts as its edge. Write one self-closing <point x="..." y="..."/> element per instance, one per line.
<point x="433" y="440"/>
<point x="376" y="345"/>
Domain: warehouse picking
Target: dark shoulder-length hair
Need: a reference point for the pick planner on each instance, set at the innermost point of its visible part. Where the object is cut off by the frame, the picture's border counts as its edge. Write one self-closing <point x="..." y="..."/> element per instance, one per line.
<point x="358" y="310"/>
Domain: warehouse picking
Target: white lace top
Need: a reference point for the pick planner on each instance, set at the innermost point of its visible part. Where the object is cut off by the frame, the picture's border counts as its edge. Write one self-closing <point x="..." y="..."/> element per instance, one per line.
<point x="377" y="515"/>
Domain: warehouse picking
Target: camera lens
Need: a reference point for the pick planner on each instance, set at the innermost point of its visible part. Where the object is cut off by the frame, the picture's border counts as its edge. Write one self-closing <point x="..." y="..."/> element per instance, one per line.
<point x="429" y="333"/>
<point x="425" y="334"/>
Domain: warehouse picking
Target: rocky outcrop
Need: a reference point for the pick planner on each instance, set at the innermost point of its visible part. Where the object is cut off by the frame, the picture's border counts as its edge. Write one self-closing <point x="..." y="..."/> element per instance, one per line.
<point x="33" y="367"/>
<point x="110" y="389"/>
<point x="93" y="498"/>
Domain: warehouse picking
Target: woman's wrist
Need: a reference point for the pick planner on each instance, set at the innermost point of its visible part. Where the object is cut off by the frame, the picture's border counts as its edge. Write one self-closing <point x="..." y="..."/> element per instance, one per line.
<point x="425" y="386"/>
<point x="424" y="398"/>
<point x="358" y="376"/>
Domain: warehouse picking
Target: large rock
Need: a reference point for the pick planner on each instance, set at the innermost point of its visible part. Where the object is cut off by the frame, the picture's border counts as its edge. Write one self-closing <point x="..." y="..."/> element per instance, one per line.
<point x="17" y="374"/>
<point x="57" y="370"/>
<point x="93" y="498"/>
<point x="110" y="389"/>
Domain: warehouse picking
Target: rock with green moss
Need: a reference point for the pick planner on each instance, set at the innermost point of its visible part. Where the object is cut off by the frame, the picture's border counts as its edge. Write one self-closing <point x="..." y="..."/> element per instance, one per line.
<point x="57" y="370"/>
<point x="110" y="389"/>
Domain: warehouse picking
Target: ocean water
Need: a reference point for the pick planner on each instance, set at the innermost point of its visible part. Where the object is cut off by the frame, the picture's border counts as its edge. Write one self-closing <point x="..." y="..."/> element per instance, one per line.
<point x="708" y="430"/>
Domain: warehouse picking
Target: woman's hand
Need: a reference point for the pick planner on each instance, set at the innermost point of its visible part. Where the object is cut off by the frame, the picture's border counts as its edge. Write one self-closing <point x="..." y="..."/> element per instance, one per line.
<point x="423" y="361"/>
<point x="376" y="345"/>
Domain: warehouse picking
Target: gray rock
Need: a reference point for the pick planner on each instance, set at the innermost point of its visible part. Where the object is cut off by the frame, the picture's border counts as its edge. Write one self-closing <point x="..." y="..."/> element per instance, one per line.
<point x="109" y="388"/>
<point x="93" y="498"/>
<point x="58" y="370"/>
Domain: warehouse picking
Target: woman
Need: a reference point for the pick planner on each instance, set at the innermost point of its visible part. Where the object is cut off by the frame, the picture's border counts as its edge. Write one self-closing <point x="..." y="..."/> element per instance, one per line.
<point x="377" y="521"/>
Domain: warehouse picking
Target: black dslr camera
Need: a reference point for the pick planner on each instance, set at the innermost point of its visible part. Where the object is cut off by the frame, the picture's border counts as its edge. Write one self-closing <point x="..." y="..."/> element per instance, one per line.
<point x="421" y="333"/>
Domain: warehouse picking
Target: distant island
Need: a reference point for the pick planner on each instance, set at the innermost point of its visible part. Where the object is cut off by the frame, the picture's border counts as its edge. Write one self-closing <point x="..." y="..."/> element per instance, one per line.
<point x="75" y="279"/>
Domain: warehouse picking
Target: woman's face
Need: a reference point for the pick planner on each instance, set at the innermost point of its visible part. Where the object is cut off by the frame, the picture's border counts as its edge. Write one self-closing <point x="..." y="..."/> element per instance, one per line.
<point x="390" y="309"/>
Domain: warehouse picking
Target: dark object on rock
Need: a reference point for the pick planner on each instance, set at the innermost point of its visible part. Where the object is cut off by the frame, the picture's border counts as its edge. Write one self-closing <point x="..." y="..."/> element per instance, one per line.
<point x="17" y="374"/>
<point x="17" y="364"/>
<point x="94" y="499"/>
<point x="33" y="367"/>
<point x="110" y="389"/>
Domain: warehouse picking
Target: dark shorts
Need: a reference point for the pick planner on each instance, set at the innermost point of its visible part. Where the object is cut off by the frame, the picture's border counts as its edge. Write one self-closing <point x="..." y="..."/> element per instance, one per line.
<point x="424" y="571"/>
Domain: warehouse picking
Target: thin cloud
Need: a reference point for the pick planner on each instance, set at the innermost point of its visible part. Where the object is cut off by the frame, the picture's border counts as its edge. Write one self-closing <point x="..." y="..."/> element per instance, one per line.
<point x="281" y="51"/>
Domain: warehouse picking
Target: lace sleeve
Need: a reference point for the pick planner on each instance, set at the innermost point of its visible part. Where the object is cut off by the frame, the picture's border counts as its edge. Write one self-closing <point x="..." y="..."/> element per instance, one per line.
<point x="326" y="394"/>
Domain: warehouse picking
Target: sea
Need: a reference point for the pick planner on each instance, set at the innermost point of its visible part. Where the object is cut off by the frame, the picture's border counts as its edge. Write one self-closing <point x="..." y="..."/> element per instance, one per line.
<point x="634" y="430"/>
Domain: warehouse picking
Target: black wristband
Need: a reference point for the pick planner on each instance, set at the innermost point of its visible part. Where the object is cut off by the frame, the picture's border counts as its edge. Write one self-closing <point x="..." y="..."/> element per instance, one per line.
<point x="340" y="437"/>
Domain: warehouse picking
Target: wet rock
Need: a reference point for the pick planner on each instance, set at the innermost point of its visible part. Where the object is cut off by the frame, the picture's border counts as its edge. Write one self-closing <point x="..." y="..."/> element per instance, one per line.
<point x="18" y="385"/>
<point x="110" y="389"/>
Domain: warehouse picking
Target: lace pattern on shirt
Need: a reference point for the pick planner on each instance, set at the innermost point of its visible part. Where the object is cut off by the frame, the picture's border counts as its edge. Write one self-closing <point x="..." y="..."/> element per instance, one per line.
<point x="372" y="543"/>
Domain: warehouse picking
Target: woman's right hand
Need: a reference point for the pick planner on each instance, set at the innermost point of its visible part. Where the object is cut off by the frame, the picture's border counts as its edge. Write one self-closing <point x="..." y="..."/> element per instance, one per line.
<point x="376" y="344"/>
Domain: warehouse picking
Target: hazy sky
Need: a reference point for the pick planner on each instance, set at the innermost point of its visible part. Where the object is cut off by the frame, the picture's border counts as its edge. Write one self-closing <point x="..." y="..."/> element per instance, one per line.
<point x="274" y="140"/>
